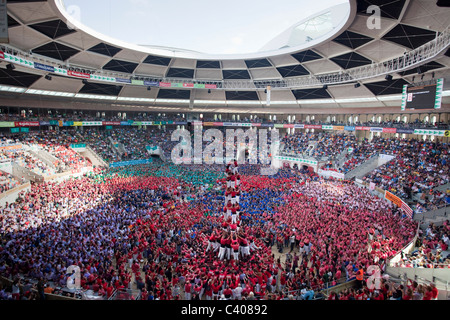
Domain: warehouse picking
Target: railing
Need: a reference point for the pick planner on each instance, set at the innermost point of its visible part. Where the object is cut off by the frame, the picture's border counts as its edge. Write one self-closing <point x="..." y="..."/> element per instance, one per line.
<point x="416" y="57"/>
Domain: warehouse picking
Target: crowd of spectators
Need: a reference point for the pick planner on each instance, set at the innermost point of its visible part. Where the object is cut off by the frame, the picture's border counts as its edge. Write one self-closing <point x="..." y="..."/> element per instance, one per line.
<point x="418" y="167"/>
<point x="129" y="228"/>
<point x="431" y="249"/>
<point x="7" y="181"/>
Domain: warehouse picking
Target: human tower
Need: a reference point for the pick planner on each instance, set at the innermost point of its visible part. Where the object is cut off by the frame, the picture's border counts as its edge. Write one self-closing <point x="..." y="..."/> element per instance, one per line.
<point x="231" y="240"/>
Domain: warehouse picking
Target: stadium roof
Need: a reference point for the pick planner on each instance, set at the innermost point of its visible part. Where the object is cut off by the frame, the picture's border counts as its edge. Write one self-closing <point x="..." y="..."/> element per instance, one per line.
<point x="44" y="31"/>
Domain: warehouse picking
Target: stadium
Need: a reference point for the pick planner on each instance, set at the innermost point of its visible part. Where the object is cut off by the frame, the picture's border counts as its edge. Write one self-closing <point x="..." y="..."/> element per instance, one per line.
<point x="313" y="168"/>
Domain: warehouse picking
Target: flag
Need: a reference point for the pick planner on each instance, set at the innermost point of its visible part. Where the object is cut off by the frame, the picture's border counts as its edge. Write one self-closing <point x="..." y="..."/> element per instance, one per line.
<point x="407" y="210"/>
<point x="419" y="208"/>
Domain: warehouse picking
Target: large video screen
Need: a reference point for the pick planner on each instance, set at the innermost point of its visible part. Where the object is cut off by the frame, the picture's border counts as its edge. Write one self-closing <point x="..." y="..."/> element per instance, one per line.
<point x="427" y="96"/>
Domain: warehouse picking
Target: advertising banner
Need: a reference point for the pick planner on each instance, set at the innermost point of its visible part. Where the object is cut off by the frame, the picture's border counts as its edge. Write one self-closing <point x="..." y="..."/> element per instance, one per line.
<point x="10" y="147"/>
<point x="78" y="146"/>
<point x="130" y="163"/>
<point x="91" y="123"/>
<point x="77" y="74"/>
<point x="349" y="128"/>
<point x="44" y="67"/>
<point x="329" y="173"/>
<point x="407" y="131"/>
<point x="389" y="130"/>
<point x="122" y="80"/>
<point x="6" y="124"/>
<point x="430" y="132"/>
<point x="26" y="124"/>
<point x="299" y="126"/>
<point x="137" y="82"/>
<point x="313" y="126"/>
<point x="376" y="129"/>
<point x="111" y="123"/>
<point x="393" y="198"/>
<point x="151" y="83"/>
<point x="165" y="84"/>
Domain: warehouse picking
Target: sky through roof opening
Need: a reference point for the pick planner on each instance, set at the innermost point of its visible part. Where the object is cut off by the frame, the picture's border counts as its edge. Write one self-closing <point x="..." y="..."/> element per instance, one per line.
<point x="231" y="27"/>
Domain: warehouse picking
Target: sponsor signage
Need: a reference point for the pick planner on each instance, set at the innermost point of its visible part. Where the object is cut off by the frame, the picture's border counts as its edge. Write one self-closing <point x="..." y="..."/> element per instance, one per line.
<point x="27" y="124"/>
<point x="130" y="163"/>
<point x="313" y="126"/>
<point x="122" y="80"/>
<point x="137" y="82"/>
<point x="376" y="129"/>
<point x="408" y="131"/>
<point x="389" y="130"/>
<point x="349" y="128"/>
<point x="151" y="83"/>
<point x="430" y="132"/>
<point x="44" y="67"/>
<point x="78" y="74"/>
<point x="111" y="123"/>
<point x="6" y="124"/>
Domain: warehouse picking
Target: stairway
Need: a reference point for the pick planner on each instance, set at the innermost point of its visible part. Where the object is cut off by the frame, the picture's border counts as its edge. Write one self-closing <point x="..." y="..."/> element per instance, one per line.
<point x="363" y="169"/>
<point x="95" y="159"/>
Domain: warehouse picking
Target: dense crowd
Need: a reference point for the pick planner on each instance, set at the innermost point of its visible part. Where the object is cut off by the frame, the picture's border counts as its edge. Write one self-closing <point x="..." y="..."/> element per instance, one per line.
<point x="431" y="249"/>
<point x="149" y="227"/>
<point x="418" y="168"/>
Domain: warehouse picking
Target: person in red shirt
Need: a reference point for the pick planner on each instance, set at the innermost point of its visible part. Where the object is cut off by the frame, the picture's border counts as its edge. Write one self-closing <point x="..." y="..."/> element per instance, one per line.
<point x="435" y="291"/>
<point x="216" y="289"/>
<point x="235" y="248"/>
<point x="187" y="290"/>
<point x="227" y="292"/>
<point x="428" y="293"/>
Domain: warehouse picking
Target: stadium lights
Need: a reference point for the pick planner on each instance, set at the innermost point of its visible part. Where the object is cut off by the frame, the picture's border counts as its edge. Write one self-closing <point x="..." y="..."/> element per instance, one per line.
<point x="50" y="93"/>
<point x="48" y="77"/>
<point x="12" y="89"/>
<point x="357" y="85"/>
<point x="10" y="66"/>
<point x="388" y="77"/>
